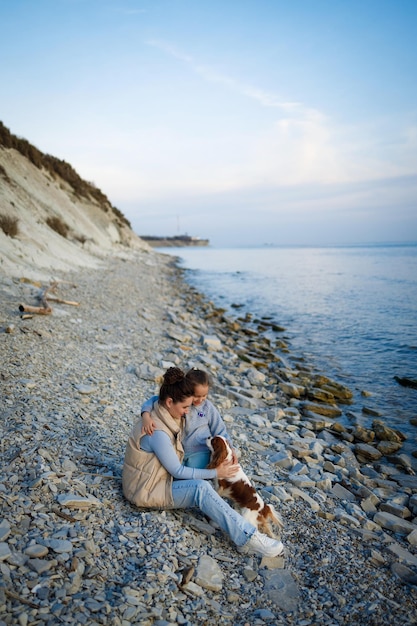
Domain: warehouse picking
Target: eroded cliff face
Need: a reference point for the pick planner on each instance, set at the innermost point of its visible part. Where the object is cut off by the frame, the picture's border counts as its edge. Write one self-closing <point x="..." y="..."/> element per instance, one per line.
<point x="33" y="198"/>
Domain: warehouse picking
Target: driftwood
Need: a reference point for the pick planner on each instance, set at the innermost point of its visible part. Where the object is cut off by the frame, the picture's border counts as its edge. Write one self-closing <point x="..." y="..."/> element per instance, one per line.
<point x="55" y="299"/>
<point x="41" y="310"/>
<point x="65" y="516"/>
<point x="44" y="296"/>
<point x="15" y="596"/>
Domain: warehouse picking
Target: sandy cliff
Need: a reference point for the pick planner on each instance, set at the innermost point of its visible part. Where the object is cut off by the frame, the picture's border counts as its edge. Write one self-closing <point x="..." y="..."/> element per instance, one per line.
<point x="33" y="195"/>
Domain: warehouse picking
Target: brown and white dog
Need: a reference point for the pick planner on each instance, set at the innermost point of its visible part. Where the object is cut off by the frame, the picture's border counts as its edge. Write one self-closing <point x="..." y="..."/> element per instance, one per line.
<point x="240" y="490"/>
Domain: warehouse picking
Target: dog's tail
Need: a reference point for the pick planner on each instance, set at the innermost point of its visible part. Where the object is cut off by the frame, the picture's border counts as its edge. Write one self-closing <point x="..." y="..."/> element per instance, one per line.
<point x="275" y="516"/>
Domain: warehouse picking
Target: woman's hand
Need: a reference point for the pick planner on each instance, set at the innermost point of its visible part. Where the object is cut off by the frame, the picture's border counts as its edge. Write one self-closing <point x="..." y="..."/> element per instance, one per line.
<point x="227" y="469"/>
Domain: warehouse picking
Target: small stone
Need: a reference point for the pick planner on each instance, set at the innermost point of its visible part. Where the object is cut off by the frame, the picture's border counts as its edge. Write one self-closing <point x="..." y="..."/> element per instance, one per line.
<point x="5" y="551"/>
<point x="385" y="433"/>
<point x="59" y="545"/>
<point x="328" y="410"/>
<point x="208" y="574"/>
<point x="395" y="509"/>
<point x="69" y="466"/>
<point x="404" y="573"/>
<point x="73" y="501"/>
<point x="403" y="554"/>
<point x="249" y="574"/>
<point x="364" y="434"/>
<point x="211" y="342"/>
<point x="282" y="459"/>
<point x="389" y="447"/>
<point x="86" y="389"/>
<point x="376" y="558"/>
<point x="40" y="566"/>
<point x="36" y="551"/>
<point x="292" y="390"/>
<point x="321" y="395"/>
<point x="302" y="481"/>
<point x="193" y="589"/>
<point x="17" y="559"/>
<point x="365" y="452"/>
<point x="282" y="589"/>
<point x="299" y="493"/>
<point x="255" y="377"/>
<point x="412" y="538"/>
<point x="368" y="505"/>
<point x="264" y="615"/>
<point x="4" y="530"/>
<point x="342" y="493"/>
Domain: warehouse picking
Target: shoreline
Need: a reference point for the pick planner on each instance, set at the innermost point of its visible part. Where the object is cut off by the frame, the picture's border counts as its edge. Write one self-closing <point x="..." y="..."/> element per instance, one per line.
<point x="364" y="350"/>
<point x="364" y="406"/>
<point x="74" y="382"/>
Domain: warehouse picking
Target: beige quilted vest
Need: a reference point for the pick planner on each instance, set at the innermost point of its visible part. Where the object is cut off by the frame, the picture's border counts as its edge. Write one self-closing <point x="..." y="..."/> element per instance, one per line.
<point x="145" y="481"/>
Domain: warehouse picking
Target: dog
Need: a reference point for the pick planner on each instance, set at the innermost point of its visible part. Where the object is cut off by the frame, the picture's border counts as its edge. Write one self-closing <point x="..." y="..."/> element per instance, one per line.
<point x="240" y="490"/>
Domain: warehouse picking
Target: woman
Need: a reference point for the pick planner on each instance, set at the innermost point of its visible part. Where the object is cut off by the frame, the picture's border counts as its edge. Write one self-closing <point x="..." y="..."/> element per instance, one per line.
<point x="203" y="421"/>
<point x="154" y="477"/>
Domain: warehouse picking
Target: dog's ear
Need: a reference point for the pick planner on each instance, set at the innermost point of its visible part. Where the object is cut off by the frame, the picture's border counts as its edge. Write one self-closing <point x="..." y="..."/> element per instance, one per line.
<point x="219" y="453"/>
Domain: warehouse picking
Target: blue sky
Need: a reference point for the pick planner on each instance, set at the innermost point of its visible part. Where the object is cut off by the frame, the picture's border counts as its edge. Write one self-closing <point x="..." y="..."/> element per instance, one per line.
<point x="244" y="121"/>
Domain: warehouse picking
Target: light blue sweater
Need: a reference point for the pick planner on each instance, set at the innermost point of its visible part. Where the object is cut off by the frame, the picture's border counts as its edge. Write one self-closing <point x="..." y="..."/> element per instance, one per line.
<point x="159" y="444"/>
<point x="200" y="423"/>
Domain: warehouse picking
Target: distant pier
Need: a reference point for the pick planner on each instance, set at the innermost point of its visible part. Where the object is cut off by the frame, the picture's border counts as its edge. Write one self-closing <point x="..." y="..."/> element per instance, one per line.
<point x="174" y="242"/>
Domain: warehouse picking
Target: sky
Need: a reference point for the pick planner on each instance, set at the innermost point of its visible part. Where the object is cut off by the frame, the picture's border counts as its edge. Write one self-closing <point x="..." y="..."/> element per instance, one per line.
<point x="247" y="122"/>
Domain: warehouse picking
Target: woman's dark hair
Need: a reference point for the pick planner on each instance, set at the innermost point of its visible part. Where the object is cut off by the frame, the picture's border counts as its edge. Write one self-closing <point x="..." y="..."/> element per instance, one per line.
<point x="175" y="386"/>
<point x="198" y="377"/>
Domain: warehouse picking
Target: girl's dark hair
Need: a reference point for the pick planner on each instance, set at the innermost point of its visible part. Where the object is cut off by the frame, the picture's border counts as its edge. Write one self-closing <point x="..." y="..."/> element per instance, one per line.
<point x="198" y="377"/>
<point x="175" y="386"/>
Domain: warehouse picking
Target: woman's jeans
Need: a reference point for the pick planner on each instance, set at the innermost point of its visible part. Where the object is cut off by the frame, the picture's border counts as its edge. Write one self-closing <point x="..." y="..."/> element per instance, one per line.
<point x="201" y="494"/>
<point x="197" y="459"/>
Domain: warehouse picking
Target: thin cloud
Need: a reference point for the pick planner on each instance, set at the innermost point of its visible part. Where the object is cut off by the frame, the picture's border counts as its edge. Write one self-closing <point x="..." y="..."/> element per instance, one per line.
<point x="261" y="96"/>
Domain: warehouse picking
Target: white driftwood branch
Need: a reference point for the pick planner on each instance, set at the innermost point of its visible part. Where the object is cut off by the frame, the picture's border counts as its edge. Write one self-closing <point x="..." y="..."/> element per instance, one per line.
<point x="70" y="302"/>
<point x="41" y="310"/>
<point x="44" y="296"/>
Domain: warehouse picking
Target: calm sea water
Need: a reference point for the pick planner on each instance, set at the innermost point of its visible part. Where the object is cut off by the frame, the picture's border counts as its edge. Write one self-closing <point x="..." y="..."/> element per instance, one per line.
<point x="351" y="312"/>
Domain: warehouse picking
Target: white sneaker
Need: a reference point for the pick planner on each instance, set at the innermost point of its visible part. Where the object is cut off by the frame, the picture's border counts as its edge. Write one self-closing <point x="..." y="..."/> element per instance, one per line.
<point x="263" y="545"/>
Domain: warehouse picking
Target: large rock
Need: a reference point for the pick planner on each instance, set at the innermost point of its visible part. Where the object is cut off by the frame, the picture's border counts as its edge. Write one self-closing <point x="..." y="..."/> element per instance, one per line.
<point x="340" y="392"/>
<point x="364" y="452"/>
<point x="394" y="523"/>
<point x="364" y="434"/>
<point x="208" y="574"/>
<point x="388" y="447"/>
<point x="292" y="390"/>
<point x="327" y="410"/>
<point x="282" y="589"/>
<point x="316" y="422"/>
<point x="321" y="395"/>
<point x="385" y="433"/>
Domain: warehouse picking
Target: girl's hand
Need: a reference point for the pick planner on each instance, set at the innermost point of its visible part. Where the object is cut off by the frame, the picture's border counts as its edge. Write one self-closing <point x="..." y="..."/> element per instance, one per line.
<point x="227" y="469"/>
<point x="148" y="425"/>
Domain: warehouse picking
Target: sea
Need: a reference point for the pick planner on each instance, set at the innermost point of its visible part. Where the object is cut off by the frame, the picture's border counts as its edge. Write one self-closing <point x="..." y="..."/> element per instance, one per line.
<point x="350" y="312"/>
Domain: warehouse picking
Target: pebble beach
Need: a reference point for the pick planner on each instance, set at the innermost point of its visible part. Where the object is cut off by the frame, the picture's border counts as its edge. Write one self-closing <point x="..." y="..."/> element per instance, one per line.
<point x="73" y="551"/>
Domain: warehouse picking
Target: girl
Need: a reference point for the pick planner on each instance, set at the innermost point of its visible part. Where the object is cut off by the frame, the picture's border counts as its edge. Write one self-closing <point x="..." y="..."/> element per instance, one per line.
<point x="154" y="477"/>
<point x="203" y="421"/>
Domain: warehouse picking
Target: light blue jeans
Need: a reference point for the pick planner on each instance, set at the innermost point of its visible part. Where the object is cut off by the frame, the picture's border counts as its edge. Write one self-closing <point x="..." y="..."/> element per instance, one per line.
<point x="197" y="459"/>
<point x="201" y="494"/>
